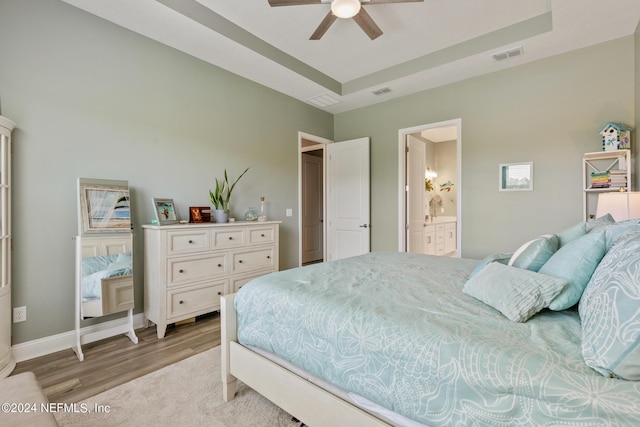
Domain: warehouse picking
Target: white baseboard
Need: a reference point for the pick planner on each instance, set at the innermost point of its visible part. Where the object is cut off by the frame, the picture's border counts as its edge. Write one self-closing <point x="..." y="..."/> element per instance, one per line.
<point x="65" y="340"/>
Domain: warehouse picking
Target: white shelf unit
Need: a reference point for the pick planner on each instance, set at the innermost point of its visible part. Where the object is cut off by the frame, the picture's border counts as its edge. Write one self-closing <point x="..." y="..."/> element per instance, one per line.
<point x="7" y="363"/>
<point x="603" y="161"/>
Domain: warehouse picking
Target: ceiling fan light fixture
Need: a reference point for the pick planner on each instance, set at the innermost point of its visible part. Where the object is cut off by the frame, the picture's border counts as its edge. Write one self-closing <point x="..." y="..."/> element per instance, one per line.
<point x="345" y="8"/>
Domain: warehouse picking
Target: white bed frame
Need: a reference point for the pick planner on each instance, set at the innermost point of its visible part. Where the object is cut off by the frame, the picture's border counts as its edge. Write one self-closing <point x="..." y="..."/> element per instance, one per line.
<point x="307" y="402"/>
<point x="117" y="292"/>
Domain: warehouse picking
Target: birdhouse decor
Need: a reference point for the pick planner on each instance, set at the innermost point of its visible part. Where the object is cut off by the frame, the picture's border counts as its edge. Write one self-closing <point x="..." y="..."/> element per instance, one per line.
<point x="616" y="136"/>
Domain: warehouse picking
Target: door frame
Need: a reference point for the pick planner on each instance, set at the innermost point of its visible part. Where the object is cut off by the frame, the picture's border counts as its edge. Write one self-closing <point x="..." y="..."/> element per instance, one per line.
<point x="402" y="180"/>
<point x="320" y="144"/>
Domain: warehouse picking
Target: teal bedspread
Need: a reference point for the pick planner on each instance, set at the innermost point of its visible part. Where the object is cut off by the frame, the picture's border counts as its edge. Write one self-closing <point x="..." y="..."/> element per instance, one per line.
<point x="396" y="329"/>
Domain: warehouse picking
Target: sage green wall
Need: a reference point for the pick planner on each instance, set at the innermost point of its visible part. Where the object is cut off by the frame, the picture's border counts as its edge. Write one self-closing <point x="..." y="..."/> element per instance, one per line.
<point x="92" y="99"/>
<point x="549" y="112"/>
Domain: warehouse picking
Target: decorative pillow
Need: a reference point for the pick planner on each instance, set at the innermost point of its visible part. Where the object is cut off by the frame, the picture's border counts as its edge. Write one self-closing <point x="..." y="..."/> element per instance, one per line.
<point x="533" y="254"/>
<point x="575" y="262"/>
<point x="572" y="233"/>
<point x="602" y="221"/>
<point x="502" y="258"/>
<point x="610" y="312"/>
<point x="614" y="231"/>
<point x="515" y="292"/>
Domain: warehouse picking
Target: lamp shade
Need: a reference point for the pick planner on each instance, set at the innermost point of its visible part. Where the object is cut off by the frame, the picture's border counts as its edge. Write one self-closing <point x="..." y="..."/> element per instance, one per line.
<point x="621" y="206"/>
<point x="345" y="8"/>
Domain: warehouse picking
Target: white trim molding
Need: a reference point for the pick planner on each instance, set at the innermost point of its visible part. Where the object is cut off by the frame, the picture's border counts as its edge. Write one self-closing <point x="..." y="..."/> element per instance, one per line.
<point x="67" y="340"/>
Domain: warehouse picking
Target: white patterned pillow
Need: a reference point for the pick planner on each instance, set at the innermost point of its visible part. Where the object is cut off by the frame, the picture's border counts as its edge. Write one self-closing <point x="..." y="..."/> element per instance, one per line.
<point x="610" y="311"/>
<point x="515" y="292"/>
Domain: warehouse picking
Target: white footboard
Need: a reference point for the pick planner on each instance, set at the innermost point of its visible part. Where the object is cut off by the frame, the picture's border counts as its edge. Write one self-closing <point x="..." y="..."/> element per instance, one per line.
<point x="302" y="399"/>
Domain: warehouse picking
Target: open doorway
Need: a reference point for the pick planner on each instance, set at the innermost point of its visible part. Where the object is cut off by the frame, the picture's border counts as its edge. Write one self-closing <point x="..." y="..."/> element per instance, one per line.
<point x="429" y="187"/>
<point x="312" y="199"/>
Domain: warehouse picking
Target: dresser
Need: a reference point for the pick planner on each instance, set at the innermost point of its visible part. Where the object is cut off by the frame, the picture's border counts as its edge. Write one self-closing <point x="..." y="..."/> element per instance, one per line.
<point x="187" y="267"/>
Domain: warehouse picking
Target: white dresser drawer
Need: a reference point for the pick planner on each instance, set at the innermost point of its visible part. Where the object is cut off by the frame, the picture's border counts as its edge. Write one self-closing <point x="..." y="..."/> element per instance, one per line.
<point x="227" y="238"/>
<point x="180" y="242"/>
<point x="262" y="235"/>
<point x="250" y="260"/>
<point x="183" y="270"/>
<point x="187" y="301"/>
<point x="238" y="282"/>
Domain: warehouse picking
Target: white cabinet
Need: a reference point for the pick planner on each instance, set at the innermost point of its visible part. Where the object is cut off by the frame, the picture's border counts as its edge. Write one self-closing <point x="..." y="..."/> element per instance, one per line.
<point x="602" y="165"/>
<point x="440" y="238"/>
<point x="188" y="267"/>
<point x="6" y="359"/>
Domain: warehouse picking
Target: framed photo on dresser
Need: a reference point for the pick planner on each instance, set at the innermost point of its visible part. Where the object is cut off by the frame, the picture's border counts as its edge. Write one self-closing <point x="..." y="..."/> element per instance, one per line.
<point x="165" y="211"/>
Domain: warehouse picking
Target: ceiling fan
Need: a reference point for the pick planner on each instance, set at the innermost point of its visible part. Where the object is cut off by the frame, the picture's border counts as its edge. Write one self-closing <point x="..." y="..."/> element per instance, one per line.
<point x="344" y="9"/>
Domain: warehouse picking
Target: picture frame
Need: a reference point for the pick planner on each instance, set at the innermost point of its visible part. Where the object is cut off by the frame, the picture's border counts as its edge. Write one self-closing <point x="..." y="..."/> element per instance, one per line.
<point x="198" y="214"/>
<point x="165" y="211"/>
<point x="516" y="176"/>
<point x="104" y="206"/>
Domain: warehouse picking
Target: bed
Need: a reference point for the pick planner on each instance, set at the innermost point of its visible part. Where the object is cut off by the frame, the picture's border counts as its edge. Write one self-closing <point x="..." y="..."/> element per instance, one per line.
<point x="547" y="335"/>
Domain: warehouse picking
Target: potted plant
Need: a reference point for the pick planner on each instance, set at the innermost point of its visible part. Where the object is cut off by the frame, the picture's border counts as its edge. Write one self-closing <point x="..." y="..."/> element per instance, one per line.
<point x="221" y="195"/>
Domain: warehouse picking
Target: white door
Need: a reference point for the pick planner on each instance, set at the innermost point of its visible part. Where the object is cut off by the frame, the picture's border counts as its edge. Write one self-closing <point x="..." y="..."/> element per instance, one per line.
<point x="312" y="208"/>
<point x="348" y="185"/>
<point x="415" y="158"/>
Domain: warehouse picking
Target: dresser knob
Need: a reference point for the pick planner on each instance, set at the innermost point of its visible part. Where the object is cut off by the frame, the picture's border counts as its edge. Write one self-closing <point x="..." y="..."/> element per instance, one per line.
<point x="268" y="256"/>
<point x="181" y="302"/>
<point x="219" y="265"/>
<point x="262" y="235"/>
<point x="190" y="241"/>
<point x="230" y="238"/>
<point x="219" y="293"/>
<point x="240" y="261"/>
<point x="180" y="271"/>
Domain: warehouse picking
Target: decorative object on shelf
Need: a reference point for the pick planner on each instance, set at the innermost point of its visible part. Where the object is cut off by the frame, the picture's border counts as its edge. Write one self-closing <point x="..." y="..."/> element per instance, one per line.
<point x="428" y="184"/>
<point x="198" y="214"/>
<point x="165" y="211"/>
<point x="263" y="210"/>
<point x="622" y="205"/>
<point x="221" y="195"/>
<point x="250" y="215"/>
<point x="616" y="136"/>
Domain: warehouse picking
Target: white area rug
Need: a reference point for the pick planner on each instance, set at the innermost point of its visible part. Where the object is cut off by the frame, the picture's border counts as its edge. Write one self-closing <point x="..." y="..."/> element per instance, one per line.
<point x="187" y="393"/>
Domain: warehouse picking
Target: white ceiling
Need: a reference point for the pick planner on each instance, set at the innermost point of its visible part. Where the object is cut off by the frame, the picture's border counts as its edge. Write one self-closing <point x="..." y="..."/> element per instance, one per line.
<point x="424" y="45"/>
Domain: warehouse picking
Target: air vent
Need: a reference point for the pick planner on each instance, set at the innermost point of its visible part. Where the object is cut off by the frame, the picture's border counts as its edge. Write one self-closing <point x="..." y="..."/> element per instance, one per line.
<point x="323" y="100"/>
<point x="381" y="91"/>
<point x="509" y="53"/>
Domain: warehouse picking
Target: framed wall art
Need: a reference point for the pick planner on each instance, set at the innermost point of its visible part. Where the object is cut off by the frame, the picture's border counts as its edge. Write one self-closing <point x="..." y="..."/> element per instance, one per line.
<point x="516" y="177"/>
<point x="104" y="206"/>
<point x="165" y="211"/>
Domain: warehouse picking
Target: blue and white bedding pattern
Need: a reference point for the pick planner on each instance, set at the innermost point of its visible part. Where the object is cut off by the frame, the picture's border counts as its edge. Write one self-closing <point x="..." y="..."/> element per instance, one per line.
<point x="94" y="269"/>
<point x="397" y="329"/>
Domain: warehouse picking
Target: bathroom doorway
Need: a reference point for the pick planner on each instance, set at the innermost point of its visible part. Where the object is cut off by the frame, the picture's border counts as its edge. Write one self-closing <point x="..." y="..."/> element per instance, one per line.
<point x="429" y="187"/>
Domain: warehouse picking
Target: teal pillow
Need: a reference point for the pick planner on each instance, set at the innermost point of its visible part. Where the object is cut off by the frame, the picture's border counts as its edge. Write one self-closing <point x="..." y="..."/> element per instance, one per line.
<point x="572" y="233"/>
<point x="602" y="221"/>
<point x="533" y="254"/>
<point x="516" y="293"/>
<point x="614" y="231"/>
<point x="502" y="258"/>
<point x="610" y="312"/>
<point x="575" y="262"/>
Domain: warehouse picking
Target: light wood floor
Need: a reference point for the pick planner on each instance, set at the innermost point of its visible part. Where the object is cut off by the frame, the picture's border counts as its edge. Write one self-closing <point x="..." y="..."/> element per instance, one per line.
<point x="114" y="361"/>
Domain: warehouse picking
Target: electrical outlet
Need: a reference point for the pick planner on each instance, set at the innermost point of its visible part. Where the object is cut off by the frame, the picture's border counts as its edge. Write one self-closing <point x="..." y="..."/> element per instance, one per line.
<point x="19" y="314"/>
<point x="289" y="212"/>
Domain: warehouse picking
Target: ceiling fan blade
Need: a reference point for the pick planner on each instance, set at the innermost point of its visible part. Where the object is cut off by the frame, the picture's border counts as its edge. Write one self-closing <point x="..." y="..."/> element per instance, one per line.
<point x="391" y="1"/>
<point x="364" y="20"/>
<point x="274" y="3"/>
<point x="324" y="26"/>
